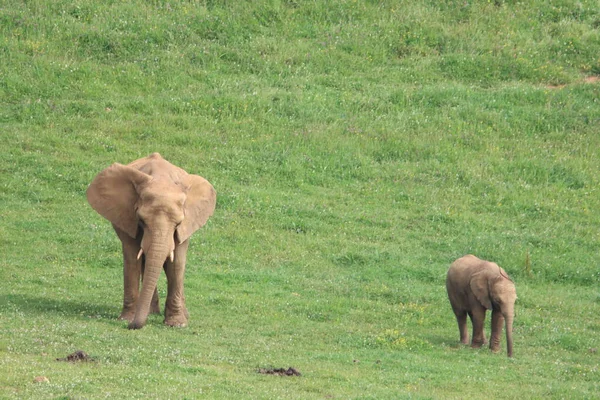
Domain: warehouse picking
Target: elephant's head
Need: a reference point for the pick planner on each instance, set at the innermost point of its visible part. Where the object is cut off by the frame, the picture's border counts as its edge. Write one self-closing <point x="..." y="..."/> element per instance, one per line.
<point x="496" y="291"/>
<point x="160" y="203"/>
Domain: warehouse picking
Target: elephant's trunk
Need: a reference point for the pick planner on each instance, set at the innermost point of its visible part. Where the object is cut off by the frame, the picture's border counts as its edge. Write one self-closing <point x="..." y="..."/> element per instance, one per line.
<point x="509" y="339"/>
<point x="155" y="259"/>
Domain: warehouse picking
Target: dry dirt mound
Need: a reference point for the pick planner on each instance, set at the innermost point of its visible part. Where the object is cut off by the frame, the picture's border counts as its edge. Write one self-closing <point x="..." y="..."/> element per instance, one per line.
<point x="77" y="356"/>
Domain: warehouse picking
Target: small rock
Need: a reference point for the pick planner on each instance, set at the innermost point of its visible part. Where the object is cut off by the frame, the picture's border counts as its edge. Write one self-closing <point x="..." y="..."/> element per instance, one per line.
<point x="41" y="379"/>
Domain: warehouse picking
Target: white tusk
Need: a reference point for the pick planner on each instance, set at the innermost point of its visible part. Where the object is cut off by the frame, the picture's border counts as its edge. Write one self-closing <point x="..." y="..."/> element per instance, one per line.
<point x="140" y="254"/>
<point x="172" y="256"/>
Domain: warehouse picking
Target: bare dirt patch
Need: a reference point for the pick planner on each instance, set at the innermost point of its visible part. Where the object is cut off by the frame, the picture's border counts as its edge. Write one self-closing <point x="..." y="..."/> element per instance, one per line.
<point x="592" y="79"/>
<point x="588" y="79"/>
<point x="76" y="356"/>
<point x="280" y="371"/>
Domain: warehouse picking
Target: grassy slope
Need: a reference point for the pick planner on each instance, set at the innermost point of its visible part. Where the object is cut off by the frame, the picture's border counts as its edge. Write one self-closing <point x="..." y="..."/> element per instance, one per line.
<point x="357" y="148"/>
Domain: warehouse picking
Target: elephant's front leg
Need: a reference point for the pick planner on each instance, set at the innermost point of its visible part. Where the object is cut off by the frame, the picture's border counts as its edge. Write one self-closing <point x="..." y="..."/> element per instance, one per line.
<point x="176" y="313"/>
<point x="478" y="319"/>
<point x="497" y="323"/>
<point x="132" y="271"/>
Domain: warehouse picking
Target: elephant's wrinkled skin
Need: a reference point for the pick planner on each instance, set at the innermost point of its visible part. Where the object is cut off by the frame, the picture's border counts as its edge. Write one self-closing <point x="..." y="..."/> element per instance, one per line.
<point x="154" y="207"/>
<point x="475" y="286"/>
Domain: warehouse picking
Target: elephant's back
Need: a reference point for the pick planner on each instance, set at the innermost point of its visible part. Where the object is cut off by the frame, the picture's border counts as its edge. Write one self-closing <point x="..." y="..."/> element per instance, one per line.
<point x="462" y="267"/>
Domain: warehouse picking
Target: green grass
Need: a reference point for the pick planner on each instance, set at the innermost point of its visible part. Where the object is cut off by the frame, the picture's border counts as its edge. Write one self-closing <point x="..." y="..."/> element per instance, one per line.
<point x="357" y="149"/>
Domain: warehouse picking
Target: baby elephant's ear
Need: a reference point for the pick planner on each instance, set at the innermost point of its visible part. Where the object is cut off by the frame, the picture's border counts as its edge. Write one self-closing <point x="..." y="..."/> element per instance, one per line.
<point x="480" y="288"/>
<point x="113" y="194"/>
<point x="199" y="206"/>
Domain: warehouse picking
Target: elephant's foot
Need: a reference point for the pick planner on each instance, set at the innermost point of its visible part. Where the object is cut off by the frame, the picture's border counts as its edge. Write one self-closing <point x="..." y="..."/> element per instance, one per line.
<point x="494" y="347"/>
<point x="127" y="315"/>
<point x="136" y="325"/>
<point x="179" y="321"/>
<point x="476" y="344"/>
<point x="176" y="314"/>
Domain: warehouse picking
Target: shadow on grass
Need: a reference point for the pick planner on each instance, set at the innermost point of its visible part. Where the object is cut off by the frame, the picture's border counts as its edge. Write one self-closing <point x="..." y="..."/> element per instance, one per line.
<point x="32" y="304"/>
<point x="442" y="341"/>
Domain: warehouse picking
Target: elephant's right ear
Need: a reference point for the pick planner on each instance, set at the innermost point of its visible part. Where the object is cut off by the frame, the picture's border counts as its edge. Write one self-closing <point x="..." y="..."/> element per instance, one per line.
<point x="480" y="287"/>
<point x="113" y="195"/>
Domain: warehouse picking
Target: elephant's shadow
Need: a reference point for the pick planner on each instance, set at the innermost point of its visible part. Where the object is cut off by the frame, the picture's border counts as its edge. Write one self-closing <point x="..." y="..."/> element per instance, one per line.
<point x="440" y="341"/>
<point x="30" y="304"/>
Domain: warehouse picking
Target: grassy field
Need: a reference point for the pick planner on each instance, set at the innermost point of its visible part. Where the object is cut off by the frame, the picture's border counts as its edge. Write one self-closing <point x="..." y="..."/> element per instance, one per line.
<point x="357" y="148"/>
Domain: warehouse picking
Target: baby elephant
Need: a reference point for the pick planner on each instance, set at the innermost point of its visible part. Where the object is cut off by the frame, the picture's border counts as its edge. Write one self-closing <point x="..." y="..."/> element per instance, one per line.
<point x="475" y="286"/>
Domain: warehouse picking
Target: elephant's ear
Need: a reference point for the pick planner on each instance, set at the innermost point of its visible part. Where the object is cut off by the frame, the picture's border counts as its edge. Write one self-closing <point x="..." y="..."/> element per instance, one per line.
<point x="199" y="205"/>
<point x="480" y="288"/>
<point x="113" y="195"/>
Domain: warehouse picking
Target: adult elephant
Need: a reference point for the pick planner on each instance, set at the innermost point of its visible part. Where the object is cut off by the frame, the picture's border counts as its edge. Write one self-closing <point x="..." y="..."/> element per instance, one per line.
<point x="475" y="286"/>
<point x="154" y="208"/>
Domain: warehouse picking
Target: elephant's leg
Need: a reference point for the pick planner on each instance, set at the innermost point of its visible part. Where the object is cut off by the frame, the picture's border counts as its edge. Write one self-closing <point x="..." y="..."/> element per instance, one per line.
<point x="132" y="270"/>
<point x="176" y="313"/>
<point x="497" y="324"/>
<point x="461" y="318"/>
<point x="478" y="319"/>
<point x="154" y="306"/>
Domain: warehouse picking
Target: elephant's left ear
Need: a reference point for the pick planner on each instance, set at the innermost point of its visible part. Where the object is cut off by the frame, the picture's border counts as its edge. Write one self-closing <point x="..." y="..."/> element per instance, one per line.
<point x="199" y="206"/>
<point x="480" y="287"/>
